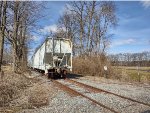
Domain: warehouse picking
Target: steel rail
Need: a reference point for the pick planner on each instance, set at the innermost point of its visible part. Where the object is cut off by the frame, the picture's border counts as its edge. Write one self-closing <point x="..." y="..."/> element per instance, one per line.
<point x="102" y="90"/>
<point x="70" y="90"/>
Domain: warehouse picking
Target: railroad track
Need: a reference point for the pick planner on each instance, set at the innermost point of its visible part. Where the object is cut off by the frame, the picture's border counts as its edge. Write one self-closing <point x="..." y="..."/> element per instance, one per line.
<point x="91" y="89"/>
<point x="102" y="90"/>
<point x="69" y="88"/>
<point x="122" y="83"/>
<point x="77" y="93"/>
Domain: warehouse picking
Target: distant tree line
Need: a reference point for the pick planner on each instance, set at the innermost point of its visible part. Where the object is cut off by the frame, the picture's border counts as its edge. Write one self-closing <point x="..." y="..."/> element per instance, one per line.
<point x="130" y="59"/>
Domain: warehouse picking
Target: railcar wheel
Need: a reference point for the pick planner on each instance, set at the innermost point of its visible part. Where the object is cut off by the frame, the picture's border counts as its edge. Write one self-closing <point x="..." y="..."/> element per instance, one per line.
<point x="64" y="74"/>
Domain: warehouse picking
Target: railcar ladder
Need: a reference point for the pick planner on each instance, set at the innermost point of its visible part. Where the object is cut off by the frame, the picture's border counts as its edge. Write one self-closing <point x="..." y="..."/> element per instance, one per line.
<point x="62" y="59"/>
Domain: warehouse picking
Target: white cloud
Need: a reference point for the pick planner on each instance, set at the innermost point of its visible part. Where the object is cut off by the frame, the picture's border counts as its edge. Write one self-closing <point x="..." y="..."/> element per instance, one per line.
<point x="34" y="38"/>
<point x="66" y="9"/>
<point x="123" y="42"/>
<point x="146" y="4"/>
<point x="48" y="29"/>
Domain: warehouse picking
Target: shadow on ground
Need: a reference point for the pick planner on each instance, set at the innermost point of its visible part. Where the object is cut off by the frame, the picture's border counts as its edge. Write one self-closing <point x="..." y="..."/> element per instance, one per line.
<point x="75" y="76"/>
<point x="148" y="111"/>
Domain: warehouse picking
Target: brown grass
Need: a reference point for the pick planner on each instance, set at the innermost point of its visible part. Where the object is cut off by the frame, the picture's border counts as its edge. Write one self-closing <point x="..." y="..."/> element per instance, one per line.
<point x="132" y="67"/>
<point x="93" y="65"/>
<point x="131" y="75"/>
<point x="10" y="87"/>
<point x="17" y="92"/>
<point x="38" y="96"/>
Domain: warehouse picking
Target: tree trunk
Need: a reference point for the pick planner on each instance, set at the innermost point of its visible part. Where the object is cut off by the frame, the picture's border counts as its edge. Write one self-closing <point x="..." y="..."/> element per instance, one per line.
<point x="2" y="31"/>
<point x="24" y="58"/>
<point x="16" y="62"/>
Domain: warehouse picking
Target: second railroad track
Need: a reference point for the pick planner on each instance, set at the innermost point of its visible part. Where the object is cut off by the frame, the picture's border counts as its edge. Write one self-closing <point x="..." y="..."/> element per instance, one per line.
<point x="74" y="88"/>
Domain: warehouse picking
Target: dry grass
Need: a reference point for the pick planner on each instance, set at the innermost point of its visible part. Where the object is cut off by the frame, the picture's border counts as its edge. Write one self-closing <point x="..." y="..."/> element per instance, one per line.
<point x="93" y="66"/>
<point x="38" y="96"/>
<point x="125" y="74"/>
<point x="133" y="67"/>
<point x="10" y="87"/>
<point x="17" y="92"/>
<point x="7" y="69"/>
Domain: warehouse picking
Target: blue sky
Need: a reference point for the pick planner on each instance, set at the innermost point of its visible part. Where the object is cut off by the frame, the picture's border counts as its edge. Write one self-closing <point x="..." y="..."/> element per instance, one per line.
<point x="133" y="31"/>
<point x="131" y="35"/>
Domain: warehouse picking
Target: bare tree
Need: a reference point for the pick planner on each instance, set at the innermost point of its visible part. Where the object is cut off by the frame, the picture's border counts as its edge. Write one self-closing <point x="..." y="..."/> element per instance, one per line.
<point x="3" y="7"/>
<point x="131" y="59"/>
<point x="25" y="15"/>
<point x="87" y="24"/>
<point x="7" y="56"/>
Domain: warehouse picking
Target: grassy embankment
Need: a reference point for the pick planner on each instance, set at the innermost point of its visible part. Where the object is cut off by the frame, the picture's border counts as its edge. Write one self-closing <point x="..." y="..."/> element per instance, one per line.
<point x="21" y="91"/>
<point x="141" y="74"/>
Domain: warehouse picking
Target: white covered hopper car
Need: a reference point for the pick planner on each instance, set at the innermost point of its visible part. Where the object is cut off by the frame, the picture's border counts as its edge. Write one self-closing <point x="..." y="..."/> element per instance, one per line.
<point x="54" y="57"/>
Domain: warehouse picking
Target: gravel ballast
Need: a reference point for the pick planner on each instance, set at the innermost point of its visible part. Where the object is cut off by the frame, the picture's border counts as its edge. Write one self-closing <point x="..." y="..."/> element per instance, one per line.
<point x="138" y="93"/>
<point x="62" y="102"/>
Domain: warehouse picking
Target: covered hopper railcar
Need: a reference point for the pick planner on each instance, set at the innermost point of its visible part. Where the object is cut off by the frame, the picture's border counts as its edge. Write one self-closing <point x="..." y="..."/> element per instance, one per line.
<point x="54" y="57"/>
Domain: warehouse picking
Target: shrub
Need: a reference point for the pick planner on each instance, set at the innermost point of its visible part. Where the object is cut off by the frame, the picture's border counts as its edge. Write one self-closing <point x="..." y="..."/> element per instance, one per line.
<point x="91" y="65"/>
